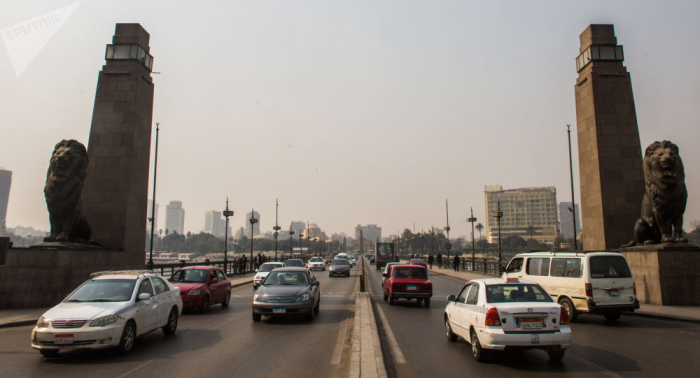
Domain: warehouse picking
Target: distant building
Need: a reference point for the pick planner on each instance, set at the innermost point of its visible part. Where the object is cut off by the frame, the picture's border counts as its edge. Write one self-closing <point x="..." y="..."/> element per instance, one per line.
<point x="175" y="217"/>
<point x="522" y="209"/>
<point x="256" y="227"/>
<point x="148" y="215"/>
<point x="297" y="227"/>
<point x="566" y="220"/>
<point x="215" y="224"/>
<point x="5" y="183"/>
<point x="369" y="232"/>
<point x="313" y="231"/>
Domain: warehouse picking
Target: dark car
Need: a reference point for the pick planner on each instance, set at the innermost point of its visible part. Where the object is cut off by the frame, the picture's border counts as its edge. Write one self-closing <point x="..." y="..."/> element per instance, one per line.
<point x="294" y="263"/>
<point x="287" y="291"/>
<point x="339" y="267"/>
<point x="202" y="286"/>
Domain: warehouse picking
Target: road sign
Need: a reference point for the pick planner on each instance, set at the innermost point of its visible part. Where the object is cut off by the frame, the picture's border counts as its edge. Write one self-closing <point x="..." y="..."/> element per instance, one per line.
<point x="448" y="246"/>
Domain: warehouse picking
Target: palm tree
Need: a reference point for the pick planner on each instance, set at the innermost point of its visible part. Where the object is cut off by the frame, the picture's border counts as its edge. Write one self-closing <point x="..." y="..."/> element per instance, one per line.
<point x="479" y="227"/>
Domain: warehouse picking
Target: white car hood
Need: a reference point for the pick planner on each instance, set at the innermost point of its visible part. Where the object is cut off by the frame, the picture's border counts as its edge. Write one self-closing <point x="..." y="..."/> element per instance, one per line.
<point x="261" y="275"/>
<point x="83" y="310"/>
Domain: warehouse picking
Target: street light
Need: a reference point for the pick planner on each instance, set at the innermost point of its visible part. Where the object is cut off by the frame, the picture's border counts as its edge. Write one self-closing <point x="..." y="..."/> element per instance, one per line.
<point x="253" y="221"/>
<point x="277" y="228"/>
<point x="472" y="220"/>
<point x="447" y="228"/>
<point x="498" y="214"/>
<point x="301" y="245"/>
<point x="152" y="219"/>
<point x="291" y="241"/>
<point x="227" y="213"/>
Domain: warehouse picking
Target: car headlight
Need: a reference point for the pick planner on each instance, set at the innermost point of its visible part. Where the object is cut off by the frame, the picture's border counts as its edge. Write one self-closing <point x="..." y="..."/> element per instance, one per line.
<point x="103" y="321"/>
<point x="193" y="292"/>
<point x="303" y="298"/>
<point x="259" y="298"/>
<point x="43" y="323"/>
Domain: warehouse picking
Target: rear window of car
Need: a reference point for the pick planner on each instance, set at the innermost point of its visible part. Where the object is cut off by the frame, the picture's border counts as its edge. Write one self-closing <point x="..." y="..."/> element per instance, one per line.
<point x="294" y="263"/>
<point x="340" y="262"/>
<point x="609" y="267"/>
<point x="405" y="272"/>
<point x="190" y="275"/>
<point x="316" y="259"/>
<point x="508" y="293"/>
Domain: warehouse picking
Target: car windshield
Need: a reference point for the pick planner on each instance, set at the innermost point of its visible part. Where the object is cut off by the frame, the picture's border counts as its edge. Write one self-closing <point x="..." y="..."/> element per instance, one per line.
<point x="276" y="278"/>
<point x="190" y="276"/>
<point x="294" y="263"/>
<point x="609" y="267"/>
<point x="316" y="259"/>
<point x="116" y="290"/>
<point x="269" y="267"/>
<point x="408" y="273"/>
<point x="340" y="262"/>
<point x="508" y="293"/>
<point x="417" y="261"/>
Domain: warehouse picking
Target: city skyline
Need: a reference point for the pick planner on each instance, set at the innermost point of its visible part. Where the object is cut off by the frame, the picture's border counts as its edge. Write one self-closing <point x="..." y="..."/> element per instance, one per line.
<point x="351" y="117"/>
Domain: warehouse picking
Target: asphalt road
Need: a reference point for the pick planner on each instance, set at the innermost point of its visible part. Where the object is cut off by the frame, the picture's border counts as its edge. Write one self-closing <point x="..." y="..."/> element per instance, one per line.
<point x="220" y="343"/>
<point x="632" y="347"/>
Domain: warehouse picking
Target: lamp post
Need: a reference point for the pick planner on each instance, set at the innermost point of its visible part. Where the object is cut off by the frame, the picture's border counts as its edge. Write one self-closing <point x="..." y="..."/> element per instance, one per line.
<point x="291" y="241"/>
<point x="253" y="221"/>
<point x="422" y="243"/>
<point x="277" y="228"/>
<point x="498" y="214"/>
<point x="472" y="220"/>
<point x="152" y="219"/>
<point x="227" y="213"/>
<point x="571" y="173"/>
<point x="432" y="240"/>
<point x="447" y="228"/>
<point x="301" y="246"/>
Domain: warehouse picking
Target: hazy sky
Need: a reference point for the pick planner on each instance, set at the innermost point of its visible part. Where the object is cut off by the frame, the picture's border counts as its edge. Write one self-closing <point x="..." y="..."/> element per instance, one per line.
<point x="348" y="112"/>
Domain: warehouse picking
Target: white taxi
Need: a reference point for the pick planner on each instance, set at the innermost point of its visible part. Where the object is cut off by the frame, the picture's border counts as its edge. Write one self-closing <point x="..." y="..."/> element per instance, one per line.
<point x="110" y="309"/>
<point x="263" y="271"/>
<point x="495" y="314"/>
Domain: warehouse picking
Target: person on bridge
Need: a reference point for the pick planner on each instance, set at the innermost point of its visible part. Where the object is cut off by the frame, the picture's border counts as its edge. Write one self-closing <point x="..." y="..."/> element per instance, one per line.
<point x="456" y="263"/>
<point x="439" y="260"/>
<point x="431" y="260"/>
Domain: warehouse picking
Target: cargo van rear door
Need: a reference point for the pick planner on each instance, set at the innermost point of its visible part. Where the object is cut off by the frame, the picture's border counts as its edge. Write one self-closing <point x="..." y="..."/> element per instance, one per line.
<point x="611" y="280"/>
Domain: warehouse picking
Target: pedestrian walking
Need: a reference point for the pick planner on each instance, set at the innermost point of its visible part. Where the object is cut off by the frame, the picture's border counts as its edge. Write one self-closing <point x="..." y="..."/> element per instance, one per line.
<point x="431" y="260"/>
<point x="439" y="260"/>
<point x="456" y="263"/>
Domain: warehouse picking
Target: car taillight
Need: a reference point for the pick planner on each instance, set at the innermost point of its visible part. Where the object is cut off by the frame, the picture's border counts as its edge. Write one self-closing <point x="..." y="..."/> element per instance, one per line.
<point x="589" y="290"/>
<point x="492" y="318"/>
<point x="563" y="316"/>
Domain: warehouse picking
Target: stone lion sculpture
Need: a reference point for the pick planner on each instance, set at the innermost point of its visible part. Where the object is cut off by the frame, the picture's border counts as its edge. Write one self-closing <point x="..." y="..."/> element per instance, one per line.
<point x="64" y="184"/>
<point x="665" y="197"/>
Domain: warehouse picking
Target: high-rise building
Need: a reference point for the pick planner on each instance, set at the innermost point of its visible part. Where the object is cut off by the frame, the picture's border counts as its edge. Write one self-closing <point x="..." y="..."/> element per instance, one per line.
<point x="527" y="212"/>
<point x="256" y="228"/>
<point x="215" y="224"/>
<point x="175" y="217"/>
<point x="369" y="232"/>
<point x="5" y="183"/>
<point x="566" y="219"/>
<point x="149" y="212"/>
<point x="297" y="227"/>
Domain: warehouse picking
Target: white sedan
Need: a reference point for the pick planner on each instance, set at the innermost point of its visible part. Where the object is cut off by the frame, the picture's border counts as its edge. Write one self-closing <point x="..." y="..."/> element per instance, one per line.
<point x="110" y="309"/>
<point x="264" y="270"/>
<point x="316" y="263"/>
<point x="495" y="314"/>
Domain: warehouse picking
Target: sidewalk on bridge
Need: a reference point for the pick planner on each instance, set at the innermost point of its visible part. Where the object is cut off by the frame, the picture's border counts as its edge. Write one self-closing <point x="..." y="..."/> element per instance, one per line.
<point x="678" y="313"/>
<point x="29" y="316"/>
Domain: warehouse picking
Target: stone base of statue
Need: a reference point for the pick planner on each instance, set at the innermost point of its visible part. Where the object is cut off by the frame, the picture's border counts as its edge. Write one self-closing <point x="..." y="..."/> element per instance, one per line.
<point x="666" y="274"/>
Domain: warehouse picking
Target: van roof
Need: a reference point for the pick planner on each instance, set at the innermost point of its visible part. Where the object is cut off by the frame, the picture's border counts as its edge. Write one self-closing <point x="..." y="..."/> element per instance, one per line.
<point x="567" y="253"/>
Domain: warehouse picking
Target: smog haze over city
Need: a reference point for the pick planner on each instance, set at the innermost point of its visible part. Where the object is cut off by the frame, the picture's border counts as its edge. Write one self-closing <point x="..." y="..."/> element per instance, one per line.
<point x="348" y="112"/>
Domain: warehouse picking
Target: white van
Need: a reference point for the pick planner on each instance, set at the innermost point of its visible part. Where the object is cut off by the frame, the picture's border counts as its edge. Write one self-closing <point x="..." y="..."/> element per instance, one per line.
<point x="582" y="282"/>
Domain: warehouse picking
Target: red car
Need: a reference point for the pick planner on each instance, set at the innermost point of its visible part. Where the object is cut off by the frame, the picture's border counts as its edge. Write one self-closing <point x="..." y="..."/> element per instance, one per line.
<point x="408" y="281"/>
<point x="420" y="262"/>
<point x="202" y="286"/>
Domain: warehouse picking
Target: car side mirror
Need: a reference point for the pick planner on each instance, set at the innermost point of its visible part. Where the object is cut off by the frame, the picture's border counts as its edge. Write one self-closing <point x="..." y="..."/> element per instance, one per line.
<point x="315" y="283"/>
<point x="451" y="298"/>
<point x="144" y="296"/>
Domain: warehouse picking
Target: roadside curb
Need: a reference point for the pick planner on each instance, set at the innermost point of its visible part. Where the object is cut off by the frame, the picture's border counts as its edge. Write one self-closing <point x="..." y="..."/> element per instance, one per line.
<point x="662" y="317"/>
<point x="238" y="284"/>
<point x="19" y="323"/>
<point x="367" y="359"/>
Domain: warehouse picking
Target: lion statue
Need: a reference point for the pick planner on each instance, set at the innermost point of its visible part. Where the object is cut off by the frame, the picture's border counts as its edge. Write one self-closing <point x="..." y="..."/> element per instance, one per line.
<point x="64" y="184"/>
<point x="664" y="199"/>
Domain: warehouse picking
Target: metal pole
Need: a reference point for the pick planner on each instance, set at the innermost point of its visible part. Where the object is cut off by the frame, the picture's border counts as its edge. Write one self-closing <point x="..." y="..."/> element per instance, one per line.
<point x="153" y="207"/>
<point x="253" y="221"/>
<point x="571" y="173"/>
<point x="499" y="214"/>
<point x="277" y="228"/>
<point x="447" y="228"/>
<point x="472" y="220"/>
<point x="291" y="242"/>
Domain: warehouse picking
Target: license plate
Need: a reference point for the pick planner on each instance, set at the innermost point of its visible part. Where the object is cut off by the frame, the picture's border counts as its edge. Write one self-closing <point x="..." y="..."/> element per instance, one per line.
<point x="614" y="292"/>
<point x="411" y="287"/>
<point x="531" y="325"/>
<point x="64" y="339"/>
<point x="279" y="310"/>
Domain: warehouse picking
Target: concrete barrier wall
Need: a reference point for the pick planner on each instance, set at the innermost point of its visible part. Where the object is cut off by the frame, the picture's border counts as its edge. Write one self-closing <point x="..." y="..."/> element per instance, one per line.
<point x="43" y="277"/>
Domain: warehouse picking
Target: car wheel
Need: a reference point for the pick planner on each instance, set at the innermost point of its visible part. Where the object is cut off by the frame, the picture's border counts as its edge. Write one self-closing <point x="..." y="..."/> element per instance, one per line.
<point x="556" y="355"/>
<point x="171" y="326"/>
<point x="49" y="352"/>
<point x="318" y="306"/>
<point x="570" y="309"/>
<point x="205" y="304"/>
<point x="391" y="300"/>
<point x="227" y="300"/>
<point x="426" y="302"/>
<point x="451" y="337"/>
<point x="477" y="351"/>
<point x="128" y="339"/>
<point x="256" y="317"/>
<point x="612" y="316"/>
<point x="310" y="316"/>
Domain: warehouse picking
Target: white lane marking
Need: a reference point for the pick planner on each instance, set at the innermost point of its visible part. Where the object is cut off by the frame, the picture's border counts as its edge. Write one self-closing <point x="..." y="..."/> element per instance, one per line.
<point x="340" y="342"/>
<point x="395" y="350"/>
<point x="591" y="364"/>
